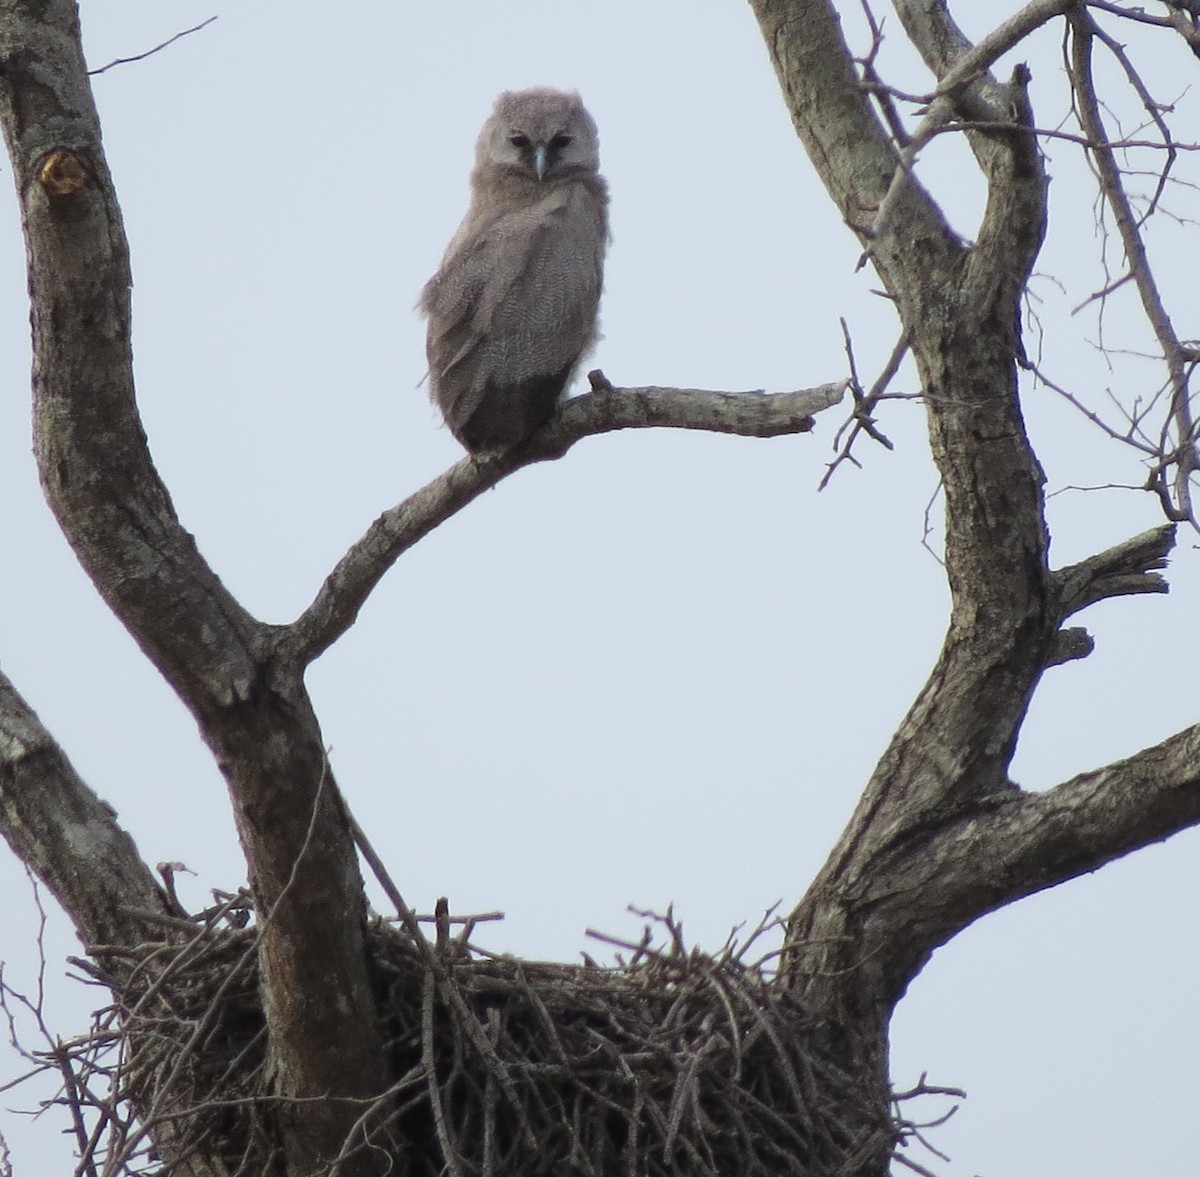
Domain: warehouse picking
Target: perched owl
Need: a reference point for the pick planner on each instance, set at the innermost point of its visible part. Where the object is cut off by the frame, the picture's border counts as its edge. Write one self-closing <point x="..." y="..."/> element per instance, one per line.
<point x="512" y="309"/>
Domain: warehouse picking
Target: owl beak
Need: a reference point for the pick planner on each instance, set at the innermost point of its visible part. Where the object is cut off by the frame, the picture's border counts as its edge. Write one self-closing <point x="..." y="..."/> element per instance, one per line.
<point x="540" y="159"/>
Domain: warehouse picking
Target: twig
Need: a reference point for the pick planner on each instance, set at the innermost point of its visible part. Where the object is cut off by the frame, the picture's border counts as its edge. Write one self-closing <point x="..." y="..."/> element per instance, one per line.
<point x="149" y="52"/>
<point x="927" y="525"/>
<point x="860" y="420"/>
<point x="403" y="911"/>
<point x="1183" y="455"/>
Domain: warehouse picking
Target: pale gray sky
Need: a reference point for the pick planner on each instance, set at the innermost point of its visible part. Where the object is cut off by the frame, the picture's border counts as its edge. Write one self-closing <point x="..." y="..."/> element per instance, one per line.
<point x="661" y="669"/>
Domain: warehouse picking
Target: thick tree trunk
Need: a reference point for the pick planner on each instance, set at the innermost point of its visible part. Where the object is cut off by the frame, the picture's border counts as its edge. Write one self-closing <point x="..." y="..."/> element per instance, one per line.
<point x="925" y="852"/>
<point x="959" y="308"/>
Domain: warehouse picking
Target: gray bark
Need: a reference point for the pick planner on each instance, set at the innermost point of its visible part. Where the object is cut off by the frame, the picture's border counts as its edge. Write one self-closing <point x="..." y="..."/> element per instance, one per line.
<point x="241" y="679"/>
<point x="941" y="834"/>
<point x="250" y="706"/>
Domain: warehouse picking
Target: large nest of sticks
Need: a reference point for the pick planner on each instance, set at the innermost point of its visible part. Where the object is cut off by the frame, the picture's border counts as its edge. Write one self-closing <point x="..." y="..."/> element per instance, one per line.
<point x="671" y="1063"/>
<point x="676" y="1063"/>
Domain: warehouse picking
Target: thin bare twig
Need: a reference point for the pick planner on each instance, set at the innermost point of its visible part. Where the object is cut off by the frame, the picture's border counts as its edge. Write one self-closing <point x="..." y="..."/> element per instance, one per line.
<point x="150" y="52"/>
<point x="860" y="420"/>
<point x="927" y="525"/>
<point x="1177" y="500"/>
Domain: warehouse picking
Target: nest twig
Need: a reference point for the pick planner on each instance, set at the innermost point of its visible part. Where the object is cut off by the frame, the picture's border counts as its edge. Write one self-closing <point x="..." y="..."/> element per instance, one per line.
<point x="678" y="1063"/>
<point x="673" y="1064"/>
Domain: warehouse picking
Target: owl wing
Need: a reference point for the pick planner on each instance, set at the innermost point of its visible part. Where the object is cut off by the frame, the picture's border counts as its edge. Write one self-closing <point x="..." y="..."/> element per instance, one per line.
<point x="515" y="298"/>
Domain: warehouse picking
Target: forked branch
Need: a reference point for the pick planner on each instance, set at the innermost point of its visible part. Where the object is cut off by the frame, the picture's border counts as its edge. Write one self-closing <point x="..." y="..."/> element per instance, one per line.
<point x="1030" y="841"/>
<point x="1179" y="453"/>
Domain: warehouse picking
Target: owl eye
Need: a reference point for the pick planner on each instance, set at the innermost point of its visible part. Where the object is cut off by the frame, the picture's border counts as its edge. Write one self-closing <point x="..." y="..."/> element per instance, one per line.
<point x="521" y="141"/>
<point x="560" y="141"/>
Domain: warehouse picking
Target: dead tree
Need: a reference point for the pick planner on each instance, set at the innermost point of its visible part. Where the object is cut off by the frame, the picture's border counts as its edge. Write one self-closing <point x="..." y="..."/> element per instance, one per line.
<point x="285" y="1030"/>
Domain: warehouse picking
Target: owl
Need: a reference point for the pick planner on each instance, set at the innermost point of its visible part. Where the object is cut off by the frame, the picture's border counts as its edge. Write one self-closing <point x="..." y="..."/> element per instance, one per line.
<point x="512" y="309"/>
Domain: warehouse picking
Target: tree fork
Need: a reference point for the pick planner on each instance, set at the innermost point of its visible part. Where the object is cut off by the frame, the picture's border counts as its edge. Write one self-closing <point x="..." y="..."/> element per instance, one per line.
<point x="325" y="1040"/>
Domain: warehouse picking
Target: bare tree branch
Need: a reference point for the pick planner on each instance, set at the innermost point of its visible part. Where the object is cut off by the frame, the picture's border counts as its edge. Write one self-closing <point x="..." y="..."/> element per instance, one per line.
<point x="66" y="834"/>
<point x="605" y="409"/>
<point x="1127" y="569"/>
<point x="1183" y="453"/>
<point x="1095" y="817"/>
<point x="957" y="62"/>
<point x="861" y="419"/>
<point x="1026" y="842"/>
<point x="117" y="515"/>
<point x="150" y="52"/>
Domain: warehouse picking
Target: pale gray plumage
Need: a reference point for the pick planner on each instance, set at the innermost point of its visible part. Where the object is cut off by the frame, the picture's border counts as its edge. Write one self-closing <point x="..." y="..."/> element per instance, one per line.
<point x="512" y="309"/>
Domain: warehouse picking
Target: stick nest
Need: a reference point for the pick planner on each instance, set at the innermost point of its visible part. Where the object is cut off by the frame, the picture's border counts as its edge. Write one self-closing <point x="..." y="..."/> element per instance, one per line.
<point x="674" y="1063"/>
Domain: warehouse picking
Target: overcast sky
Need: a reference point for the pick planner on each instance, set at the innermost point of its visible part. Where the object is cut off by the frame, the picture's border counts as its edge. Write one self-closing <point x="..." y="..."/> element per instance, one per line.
<point x="660" y="670"/>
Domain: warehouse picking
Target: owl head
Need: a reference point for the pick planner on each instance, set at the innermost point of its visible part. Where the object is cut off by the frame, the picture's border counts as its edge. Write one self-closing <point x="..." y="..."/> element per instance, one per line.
<point x="541" y="133"/>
